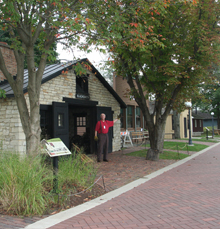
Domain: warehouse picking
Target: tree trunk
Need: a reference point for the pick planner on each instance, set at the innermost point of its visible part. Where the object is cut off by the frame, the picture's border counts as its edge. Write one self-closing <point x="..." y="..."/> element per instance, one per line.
<point x="30" y="113"/>
<point x="33" y="133"/>
<point x="30" y="121"/>
<point x="156" y="137"/>
<point x="176" y="124"/>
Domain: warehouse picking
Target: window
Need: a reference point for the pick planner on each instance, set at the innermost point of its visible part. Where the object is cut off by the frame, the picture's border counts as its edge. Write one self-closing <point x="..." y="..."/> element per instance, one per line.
<point x="200" y="123"/>
<point x="172" y="122"/>
<point x="82" y="87"/>
<point x="81" y="125"/>
<point x="195" y="123"/>
<point x="138" y="117"/>
<point x="60" y="120"/>
<point x="130" y="116"/>
<point x="81" y="121"/>
<point x="82" y="84"/>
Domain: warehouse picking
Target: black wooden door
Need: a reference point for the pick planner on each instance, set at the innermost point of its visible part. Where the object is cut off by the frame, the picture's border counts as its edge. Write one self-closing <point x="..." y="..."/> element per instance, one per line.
<point x="109" y="116"/>
<point x="61" y="122"/>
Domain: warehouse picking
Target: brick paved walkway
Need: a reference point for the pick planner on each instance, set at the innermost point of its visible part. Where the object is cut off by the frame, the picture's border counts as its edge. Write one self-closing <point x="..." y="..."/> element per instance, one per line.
<point x="187" y="196"/>
<point x="126" y="170"/>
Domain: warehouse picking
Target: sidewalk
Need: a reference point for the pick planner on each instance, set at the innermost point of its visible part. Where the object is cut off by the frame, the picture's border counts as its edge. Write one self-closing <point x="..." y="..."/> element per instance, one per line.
<point x="182" y="195"/>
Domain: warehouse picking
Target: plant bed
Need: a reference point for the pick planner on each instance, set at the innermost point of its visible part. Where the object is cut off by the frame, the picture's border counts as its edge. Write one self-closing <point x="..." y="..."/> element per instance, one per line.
<point x="26" y="184"/>
<point x="67" y="201"/>
<point x="73" y="199"/>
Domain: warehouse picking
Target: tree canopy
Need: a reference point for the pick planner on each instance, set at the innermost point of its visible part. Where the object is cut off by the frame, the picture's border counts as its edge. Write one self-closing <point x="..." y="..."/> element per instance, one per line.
<point x="163" y="49"/>
<point x="34" y="26"/>
<point x="208" y="97"/>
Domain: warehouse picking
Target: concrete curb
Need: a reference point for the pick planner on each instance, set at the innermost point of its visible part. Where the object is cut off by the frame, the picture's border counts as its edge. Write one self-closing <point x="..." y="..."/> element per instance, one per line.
<point x="64" y="215"/>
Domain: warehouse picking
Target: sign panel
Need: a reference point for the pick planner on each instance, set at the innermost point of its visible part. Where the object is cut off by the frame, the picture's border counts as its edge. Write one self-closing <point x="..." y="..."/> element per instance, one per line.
<point x="82" y="96"/>
<point x="55" y="147"/>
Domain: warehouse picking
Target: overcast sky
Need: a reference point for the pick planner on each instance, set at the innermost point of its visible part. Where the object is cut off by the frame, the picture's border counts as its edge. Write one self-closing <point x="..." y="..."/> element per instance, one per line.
<point x="95" y="57"/>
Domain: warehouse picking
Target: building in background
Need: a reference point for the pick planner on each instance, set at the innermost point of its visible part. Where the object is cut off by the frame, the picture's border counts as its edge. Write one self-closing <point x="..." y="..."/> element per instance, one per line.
<point x="132" y="118"/>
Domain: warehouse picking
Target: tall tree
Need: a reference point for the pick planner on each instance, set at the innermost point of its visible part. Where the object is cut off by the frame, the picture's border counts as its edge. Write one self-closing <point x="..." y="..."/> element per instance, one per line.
<point x="208" y="98"/>
<point x="38" y="25"/>
<point x="52" y="59"/>
<point x="163" y="49"/>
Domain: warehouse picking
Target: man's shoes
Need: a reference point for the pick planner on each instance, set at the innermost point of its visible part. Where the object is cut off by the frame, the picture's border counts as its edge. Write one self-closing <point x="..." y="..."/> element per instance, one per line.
<point x="98" y="160"/>
<point x="105" y="160"/>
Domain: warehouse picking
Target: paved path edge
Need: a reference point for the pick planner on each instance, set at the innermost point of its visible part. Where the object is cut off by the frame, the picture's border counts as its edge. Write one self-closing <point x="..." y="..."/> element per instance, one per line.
<point x="64" y="215"/>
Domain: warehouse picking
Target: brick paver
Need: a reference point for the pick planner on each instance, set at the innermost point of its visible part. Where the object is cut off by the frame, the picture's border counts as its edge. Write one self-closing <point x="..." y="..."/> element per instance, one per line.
<point x="125" y="170"/>
<point x="187" y="196"/>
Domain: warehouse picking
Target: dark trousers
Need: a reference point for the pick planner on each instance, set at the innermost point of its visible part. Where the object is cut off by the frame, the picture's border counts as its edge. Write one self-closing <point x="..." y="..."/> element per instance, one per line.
<point x="103" y="146"/>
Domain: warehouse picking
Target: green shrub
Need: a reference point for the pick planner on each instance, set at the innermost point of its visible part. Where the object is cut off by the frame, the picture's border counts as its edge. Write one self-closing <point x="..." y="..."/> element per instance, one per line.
<point x="26" y="183"/>
<point x="74" y="170"/>
<point x="22" y="182"/>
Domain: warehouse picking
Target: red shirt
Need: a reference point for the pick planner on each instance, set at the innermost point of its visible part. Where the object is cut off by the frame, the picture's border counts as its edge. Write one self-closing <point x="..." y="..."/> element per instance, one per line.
<point x="104" y="125"/>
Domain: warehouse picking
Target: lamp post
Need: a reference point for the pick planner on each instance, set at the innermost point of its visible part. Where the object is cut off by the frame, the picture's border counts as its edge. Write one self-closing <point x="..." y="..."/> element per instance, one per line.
<point x="212" y="114"/>
<point x="189" y="105"/>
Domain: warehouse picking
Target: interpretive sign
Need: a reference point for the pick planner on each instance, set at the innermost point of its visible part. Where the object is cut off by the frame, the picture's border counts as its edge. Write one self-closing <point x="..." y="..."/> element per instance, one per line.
<point x="55" y="147"/>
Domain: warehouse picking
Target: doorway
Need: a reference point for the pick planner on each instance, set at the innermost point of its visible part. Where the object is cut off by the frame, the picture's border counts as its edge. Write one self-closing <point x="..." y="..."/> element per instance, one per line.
<point x="109" y="116"/>
<point x="73" y="121"/>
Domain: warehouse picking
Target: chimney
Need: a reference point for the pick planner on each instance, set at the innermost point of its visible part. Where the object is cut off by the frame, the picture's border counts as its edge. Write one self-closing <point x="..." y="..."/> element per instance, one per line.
<point x="9" y="58"/>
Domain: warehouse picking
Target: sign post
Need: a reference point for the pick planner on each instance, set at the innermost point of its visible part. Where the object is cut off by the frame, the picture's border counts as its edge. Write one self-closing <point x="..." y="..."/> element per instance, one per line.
<point x="55" y="148"/>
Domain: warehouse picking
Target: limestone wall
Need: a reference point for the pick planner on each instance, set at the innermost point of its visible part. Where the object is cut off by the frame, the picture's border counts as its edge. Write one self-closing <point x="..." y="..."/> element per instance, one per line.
<point x="12" y="137"/>
<point x="55" y="89"/>
<point x="11" y="131"/>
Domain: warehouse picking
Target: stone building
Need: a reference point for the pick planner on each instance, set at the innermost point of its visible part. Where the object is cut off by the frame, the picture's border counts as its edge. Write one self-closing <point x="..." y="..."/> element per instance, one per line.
<point x="70" y="106"/>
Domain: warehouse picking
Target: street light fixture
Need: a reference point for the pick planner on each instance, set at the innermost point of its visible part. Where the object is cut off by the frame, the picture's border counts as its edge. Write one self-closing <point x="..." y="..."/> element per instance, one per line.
<point x="189" y="105"/>
<point x="212" y="114"/>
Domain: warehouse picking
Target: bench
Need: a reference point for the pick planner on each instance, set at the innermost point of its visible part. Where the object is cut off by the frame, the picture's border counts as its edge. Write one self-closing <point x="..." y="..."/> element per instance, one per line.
<point x="139" y="135"/>
<point x="135" y="136"/>
<point x="217" y="131"/>
<point x="145" y="135"/>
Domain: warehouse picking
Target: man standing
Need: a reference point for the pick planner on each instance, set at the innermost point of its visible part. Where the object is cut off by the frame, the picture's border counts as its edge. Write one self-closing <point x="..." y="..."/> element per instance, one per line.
<point x="102" y="128"/>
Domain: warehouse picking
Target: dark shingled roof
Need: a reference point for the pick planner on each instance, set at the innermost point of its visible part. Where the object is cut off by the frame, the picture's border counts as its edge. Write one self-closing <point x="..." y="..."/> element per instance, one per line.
<point x="201" y="115"/>
<point x="54" y="70"/>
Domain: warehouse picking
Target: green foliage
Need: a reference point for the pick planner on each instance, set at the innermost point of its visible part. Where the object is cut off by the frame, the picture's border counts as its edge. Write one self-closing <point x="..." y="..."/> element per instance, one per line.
<point x="208" y="98"/>
<point x="2" y="93"/>
<point x="26" y="182"/>
<point x="163" y="50"/>
<point x="52" y="53"/>
<point x="169" y="155"/>
<point x="34" y="28"/>
<point x="22" y="184"/>
<point x="75" y="172"/>
<point x="182" y="146"/>
<point x="166" y="155"/>
<point x="167" y="48"/>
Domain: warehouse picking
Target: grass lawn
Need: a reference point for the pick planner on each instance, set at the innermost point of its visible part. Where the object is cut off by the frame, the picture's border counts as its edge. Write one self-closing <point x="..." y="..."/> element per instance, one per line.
<point x="166" y="155"/>
<point x="201" y="140"/>
<point x="182" y="146"/>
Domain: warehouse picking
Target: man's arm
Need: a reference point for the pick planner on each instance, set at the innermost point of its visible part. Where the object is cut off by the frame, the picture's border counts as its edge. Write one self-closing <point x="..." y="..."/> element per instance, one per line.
<point x="115" y="120"/>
